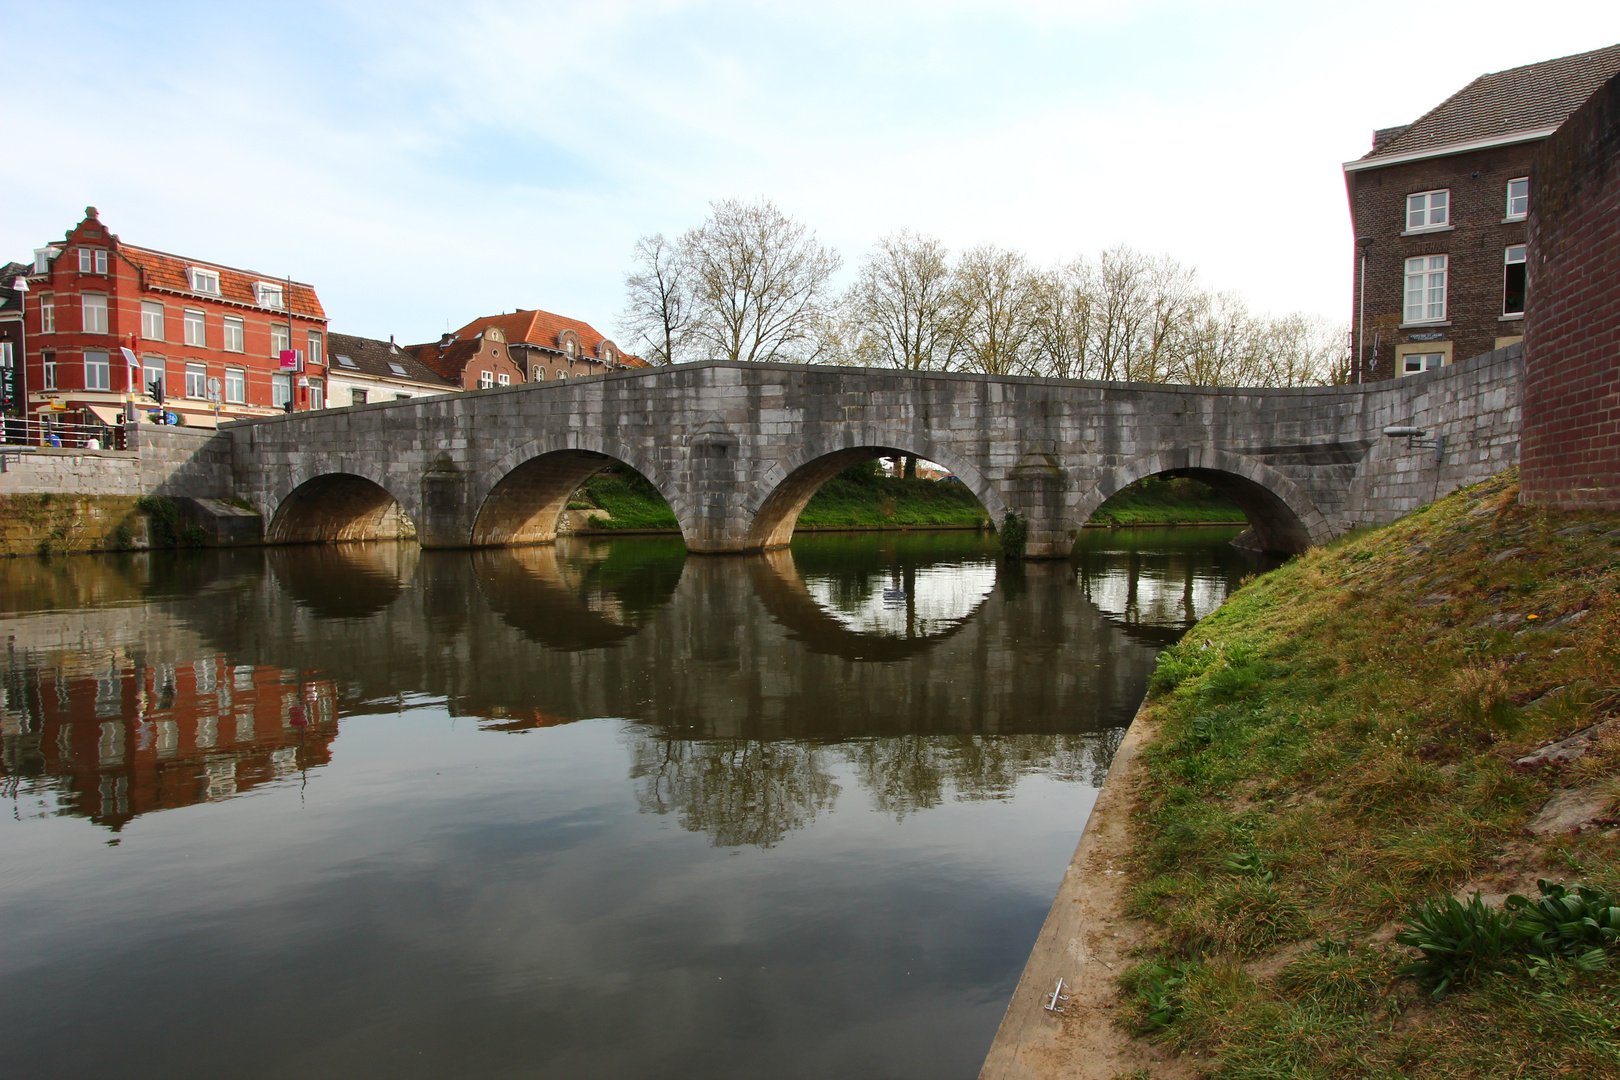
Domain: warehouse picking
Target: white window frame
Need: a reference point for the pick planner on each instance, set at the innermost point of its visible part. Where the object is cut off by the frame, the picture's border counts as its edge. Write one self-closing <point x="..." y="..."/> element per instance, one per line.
<point x="92" y="260"/>
<point x="281" y="388"/>
<point x="503" y="379"/>
<point x="317" y="347"/>
<point x="537" y="374"/>
<point x="1422" y="362"/>
<point x="1512" y="214"/>
<point x="233" y="334"/>
<point x="196" y="380"/>
<point x="1509" y="260"/>
<point x="1426" y="210"/>
<point x="151" y="320"/>
<point x="50" y="372"/>
<point x="236" y="385"/>
<point x="269" y="295"/>
<point x="203" y="280"/>
<point x="93" y="312"/>
<point x="1427" y="276"/>
<point x="317" y="393"/>
<point x="196" y="327"/>
<point x="97" y="370"/>
<point x="6" y="355"/>
<point x="154" y="366"/>
<point x="47" y="313"/>
<point x="486" y="380"/>
<point x="279" y="340"/>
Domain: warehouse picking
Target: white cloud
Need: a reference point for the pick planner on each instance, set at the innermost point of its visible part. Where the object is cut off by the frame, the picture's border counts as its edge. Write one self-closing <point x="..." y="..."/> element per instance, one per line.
<point x="424" y="163"/>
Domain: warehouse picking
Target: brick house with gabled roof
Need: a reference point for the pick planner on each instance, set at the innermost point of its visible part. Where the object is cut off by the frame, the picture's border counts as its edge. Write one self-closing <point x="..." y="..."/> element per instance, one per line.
<point x="210" y="335"/>
<point x="549" y="346"/>
<point x="1439" y="206"/>
<point x="472" y="362"/>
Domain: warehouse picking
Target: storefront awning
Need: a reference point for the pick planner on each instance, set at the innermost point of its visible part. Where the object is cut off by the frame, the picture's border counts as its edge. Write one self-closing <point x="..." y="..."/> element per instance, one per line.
<point x="203" y="420"/>
<point x="112" y="415"/>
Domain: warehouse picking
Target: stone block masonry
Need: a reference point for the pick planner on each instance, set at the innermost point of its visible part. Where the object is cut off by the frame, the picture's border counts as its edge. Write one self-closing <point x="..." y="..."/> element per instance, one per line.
<point x="1571" y="443"/>
<point x="738" y="449"/>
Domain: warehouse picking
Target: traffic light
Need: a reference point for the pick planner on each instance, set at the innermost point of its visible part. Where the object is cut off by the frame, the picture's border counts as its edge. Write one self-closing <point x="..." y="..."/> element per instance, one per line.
<point x="154" y="390"/>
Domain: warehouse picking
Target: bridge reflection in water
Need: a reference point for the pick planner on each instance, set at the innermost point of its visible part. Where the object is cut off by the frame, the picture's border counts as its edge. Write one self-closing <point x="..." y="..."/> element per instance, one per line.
<point x="906" y="733"/>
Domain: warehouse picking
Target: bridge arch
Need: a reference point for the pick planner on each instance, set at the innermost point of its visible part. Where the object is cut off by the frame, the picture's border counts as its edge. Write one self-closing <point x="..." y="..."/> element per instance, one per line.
<point x="774" y="502"/>
<point x="1283" y="518"/>
<point x="336" y="501"/>
<point x="522" y="496"/>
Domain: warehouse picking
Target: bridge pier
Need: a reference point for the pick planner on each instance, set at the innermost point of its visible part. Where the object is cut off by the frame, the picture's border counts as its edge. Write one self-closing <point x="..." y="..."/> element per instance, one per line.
<point x="1039" y="494"/>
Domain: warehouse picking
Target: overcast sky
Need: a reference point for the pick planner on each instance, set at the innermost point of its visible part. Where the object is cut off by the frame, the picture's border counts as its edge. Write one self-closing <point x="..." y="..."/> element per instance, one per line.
<point x="423" y="164"/>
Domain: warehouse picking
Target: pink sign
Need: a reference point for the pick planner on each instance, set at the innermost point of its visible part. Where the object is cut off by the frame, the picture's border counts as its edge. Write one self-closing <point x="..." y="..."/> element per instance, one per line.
<point x="289" y="360"/>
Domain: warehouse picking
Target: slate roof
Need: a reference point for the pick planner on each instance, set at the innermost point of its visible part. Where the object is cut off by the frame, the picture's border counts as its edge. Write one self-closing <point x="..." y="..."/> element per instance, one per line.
<point x="372" y="357"/>
<point x="10" y="298"/>
<point x="1503" y="104"/>
<point x="543" y="328"/>
<point x="164" y="271"/>
<point x="448" y="358"/>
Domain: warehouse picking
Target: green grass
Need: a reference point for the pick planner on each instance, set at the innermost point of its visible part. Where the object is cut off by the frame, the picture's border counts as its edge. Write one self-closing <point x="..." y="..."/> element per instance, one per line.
<point x="1166" y="501"/>
<point x="629" y="497"/>
<point x="862" y="497"/>
<point x="1335" y="748"/>
<point x="857" y="498"/>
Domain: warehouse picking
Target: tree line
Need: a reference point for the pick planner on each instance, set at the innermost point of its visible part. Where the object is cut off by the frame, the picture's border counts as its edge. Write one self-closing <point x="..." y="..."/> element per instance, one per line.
<point x="752" y="283"/>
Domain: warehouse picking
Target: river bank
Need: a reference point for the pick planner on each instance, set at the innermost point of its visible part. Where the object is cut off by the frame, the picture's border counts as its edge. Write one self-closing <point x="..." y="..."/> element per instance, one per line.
<point x="1352" y="740"/>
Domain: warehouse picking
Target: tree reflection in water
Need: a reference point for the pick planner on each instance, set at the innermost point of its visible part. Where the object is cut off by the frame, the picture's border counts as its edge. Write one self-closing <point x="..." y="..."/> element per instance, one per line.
<point x="739" y="791"/>
<point x="754" y="791"/>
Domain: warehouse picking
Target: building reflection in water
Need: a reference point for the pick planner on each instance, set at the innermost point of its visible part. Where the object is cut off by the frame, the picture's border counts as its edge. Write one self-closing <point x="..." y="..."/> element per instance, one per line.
<point x="99" y="735"/>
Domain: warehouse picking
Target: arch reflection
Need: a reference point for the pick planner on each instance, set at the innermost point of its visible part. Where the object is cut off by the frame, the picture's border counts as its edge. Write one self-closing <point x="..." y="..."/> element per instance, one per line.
<point x="870" y="598"/>
<point x="1154" y="584"/>
<point x="345" y="580"/>
<point x="579" y="594"/>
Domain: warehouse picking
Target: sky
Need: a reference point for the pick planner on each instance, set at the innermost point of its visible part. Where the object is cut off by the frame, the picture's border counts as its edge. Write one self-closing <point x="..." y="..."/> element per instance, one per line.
<point x="426" y="163"/>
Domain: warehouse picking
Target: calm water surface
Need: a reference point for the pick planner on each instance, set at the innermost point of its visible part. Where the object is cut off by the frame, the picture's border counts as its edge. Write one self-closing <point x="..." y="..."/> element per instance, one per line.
<point x="592" y="810"/>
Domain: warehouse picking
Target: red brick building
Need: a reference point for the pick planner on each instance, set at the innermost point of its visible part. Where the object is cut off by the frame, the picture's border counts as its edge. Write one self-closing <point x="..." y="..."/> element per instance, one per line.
<point x="547" y="347"/>
<point x="1570" y="453"/>
<point x="11" y="340"/>
<point x="211" y="335"/>
<point x="471" y="361"/>
<point x="1444" y="202"/>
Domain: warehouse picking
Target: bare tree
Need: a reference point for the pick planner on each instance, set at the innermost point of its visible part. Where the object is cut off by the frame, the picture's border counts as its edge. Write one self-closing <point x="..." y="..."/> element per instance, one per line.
<point x="658" y="306"/>
<point x="991" y="291"/>
<point x="1061" y="329"/>
<point x="759" y="284"/>
<point x="899" y="311"/>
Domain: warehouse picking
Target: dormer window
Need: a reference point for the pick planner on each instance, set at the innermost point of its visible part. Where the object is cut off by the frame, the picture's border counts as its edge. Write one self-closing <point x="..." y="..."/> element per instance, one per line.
<point x="397" y="369"/>
<point x="204" y="281"/>
<point x="268" y="295"/>
<point x="569" y="346"/>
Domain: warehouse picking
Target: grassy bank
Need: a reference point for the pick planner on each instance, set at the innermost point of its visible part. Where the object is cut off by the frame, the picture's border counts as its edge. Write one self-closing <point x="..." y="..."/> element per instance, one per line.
<point x="857" y="498"/>
<point x="1337" y="747"/>
<point x="1167" y="501"/>
<point x="862" y="497"/>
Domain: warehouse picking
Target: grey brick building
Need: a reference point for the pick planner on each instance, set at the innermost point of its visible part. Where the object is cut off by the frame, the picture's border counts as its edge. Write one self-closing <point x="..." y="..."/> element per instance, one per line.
<point x="1438" y="208"/>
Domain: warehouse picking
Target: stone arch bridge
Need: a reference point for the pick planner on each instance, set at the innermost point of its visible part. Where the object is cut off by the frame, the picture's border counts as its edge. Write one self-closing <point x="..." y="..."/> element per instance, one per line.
<point x="738" y="449"/>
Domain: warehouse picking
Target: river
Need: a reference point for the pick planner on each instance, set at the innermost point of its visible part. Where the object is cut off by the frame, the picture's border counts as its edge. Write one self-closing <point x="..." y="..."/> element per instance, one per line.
<point x="597" y="809"/>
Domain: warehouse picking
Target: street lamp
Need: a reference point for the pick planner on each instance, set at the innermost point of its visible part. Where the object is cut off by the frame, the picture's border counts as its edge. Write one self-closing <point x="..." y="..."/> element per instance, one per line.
<point x="1363" y="243"/>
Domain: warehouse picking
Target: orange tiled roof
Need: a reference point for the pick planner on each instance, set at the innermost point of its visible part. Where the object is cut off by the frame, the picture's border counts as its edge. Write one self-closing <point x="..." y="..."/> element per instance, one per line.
<point x="164" y="271"/>
<point x="543" y="328"/>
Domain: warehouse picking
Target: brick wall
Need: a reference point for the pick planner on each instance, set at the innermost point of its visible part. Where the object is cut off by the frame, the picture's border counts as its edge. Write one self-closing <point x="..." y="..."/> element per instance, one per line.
<point x="1571" y="442"/>
<point x="1475" y="245"/>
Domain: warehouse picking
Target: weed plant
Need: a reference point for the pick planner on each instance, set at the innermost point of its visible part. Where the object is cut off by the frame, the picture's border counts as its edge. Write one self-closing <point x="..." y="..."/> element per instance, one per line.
<point x="1335" y="751"/>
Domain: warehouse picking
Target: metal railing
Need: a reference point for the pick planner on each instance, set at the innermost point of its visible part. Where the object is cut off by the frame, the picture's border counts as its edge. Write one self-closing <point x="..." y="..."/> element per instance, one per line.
<point x="16" y="432"/>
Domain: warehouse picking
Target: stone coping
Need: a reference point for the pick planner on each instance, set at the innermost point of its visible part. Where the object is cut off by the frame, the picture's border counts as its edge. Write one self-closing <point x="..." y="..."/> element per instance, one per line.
<point x="1458" y="369"/>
